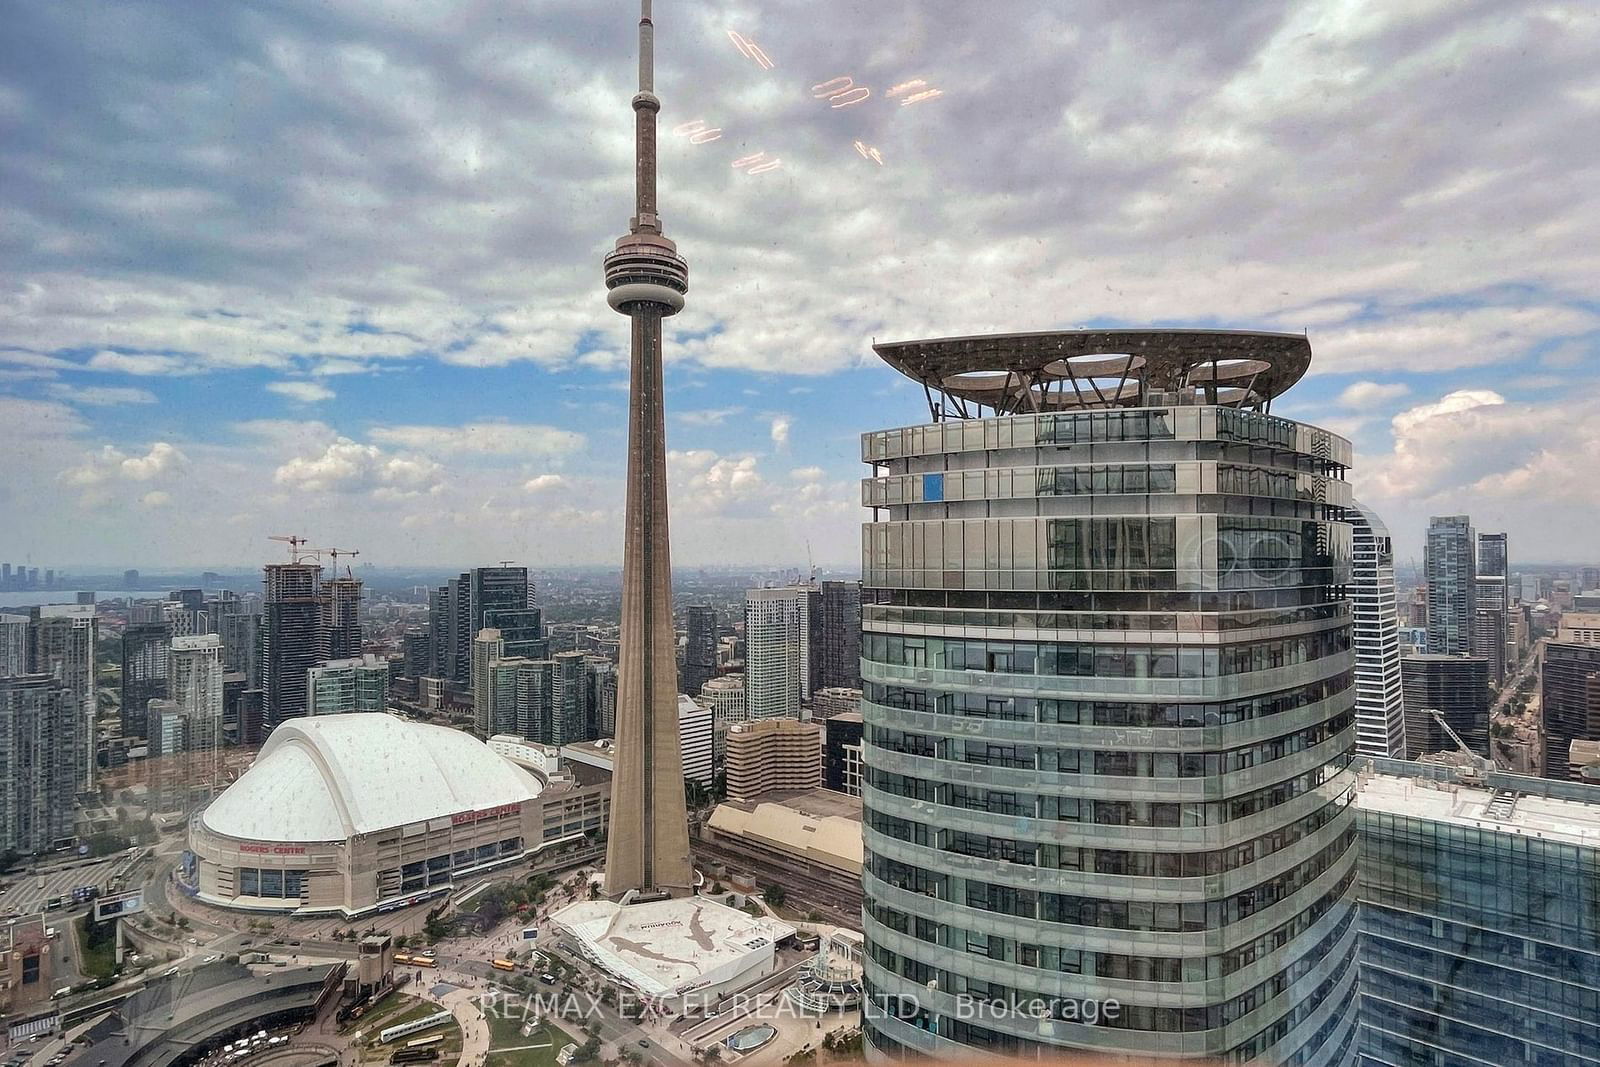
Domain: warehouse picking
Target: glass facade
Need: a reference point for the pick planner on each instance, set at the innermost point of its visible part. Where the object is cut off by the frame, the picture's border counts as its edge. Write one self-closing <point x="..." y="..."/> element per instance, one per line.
<point x="1109" y="725"/>
<point x="1480" y="921"/>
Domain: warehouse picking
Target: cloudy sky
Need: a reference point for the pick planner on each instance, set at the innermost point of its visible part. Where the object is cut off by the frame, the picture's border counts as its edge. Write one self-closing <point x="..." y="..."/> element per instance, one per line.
<point x="333" y="268"/>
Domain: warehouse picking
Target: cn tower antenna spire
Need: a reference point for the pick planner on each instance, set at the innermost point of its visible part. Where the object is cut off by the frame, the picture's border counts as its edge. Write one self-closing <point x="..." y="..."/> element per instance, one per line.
<point x="647" y="49"/>
<point x="647" y="845"/>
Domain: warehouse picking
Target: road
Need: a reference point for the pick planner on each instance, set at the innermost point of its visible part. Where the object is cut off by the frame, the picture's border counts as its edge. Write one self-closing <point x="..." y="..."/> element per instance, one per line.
<point x="1530" y="663"/>
<point x="31" y="888"/>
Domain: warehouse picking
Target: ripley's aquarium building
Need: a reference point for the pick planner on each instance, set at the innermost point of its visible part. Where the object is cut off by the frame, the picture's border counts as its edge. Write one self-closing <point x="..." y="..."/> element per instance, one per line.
<point x="1109" y="709"/>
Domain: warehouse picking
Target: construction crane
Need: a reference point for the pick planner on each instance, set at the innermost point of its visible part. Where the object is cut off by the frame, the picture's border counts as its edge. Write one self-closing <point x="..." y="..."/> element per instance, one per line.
<point x="1481" y="764"/>
<point x="336" y="553"/>
<point x="296" y="553"/>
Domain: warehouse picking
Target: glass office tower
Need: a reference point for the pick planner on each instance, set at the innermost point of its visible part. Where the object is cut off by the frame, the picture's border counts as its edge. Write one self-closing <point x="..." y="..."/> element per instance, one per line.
<point x="1108" y="705"/>
<point x="1480" y="917"/>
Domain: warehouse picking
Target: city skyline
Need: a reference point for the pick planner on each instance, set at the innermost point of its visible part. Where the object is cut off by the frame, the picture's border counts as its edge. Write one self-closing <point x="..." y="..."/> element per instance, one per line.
<point x="312" y="336"/>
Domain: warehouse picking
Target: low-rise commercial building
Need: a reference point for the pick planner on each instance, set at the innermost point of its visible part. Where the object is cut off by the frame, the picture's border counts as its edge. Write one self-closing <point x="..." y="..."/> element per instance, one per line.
<point x="819" y="832"/>
<point x="681" y="952"/>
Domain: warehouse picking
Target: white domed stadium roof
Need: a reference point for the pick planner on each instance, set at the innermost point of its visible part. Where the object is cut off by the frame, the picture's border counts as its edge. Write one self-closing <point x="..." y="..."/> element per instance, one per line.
<point x="328" y="777"/>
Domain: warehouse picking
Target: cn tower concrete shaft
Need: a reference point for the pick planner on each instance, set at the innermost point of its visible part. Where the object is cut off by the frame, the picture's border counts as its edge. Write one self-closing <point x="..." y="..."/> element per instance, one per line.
<point x="648" y="847"/>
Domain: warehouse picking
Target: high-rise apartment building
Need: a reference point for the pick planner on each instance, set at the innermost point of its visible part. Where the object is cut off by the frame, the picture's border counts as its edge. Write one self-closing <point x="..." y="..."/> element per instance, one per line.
<point x="194" y="684"/>
<point x="460" y="629"/>
<point x="144" y="672"/>
<point x="341" y="617"/>
<point x="1451" y="571"/>
<point x="502" y="598"/>
<point x="1108" y="704"/>
<point x="569" y="708"/>
<point x="501" y="687"/>
<point x="777" y="651"/>
<point x="486" y="649"/>
<point x="1570" y="684"/>
<point x="63" y="645"/>
<point x="535" y="699"/>
<point x="1380" y="712"/>
<point x="695" y="735"/>
<point x="241" y="644"/>
<point x="439" y="631"/>
<point x="41" y="753"/>
<point x="725" y="695"/>
<point x="220" y="605"/>
<point x="838" y="634"/>
<point x="293" y="640"/>
<point x="345" y="686"/>
<point x="1456" y="687"/>
<point x="13" y="645"/>
<point x="700" y="648"/>
<point x="184" y="612"/>
<point x="1480" y="938"/>
<point x="414" y="653"/>
<point x="1491" y="604"/>
<point x="605" y="696"/>
<point x="167" y="738"/>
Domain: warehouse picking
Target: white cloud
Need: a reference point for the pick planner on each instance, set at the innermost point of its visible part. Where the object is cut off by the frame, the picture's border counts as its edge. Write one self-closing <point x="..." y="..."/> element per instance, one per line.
<point x="1437" y="340"/>
<point x="703" y="481"/>
<point x="807" y="474"/>
<point x="156" y="498"/>
<point x="1274" y="145"/>
<point x="99" y="395"/>
<point x="1367" y="394"/>
<point x="780" y="429"/>
<point x="111" y="464"/>
<point x="142" y="365"/>
<point x="302" y="392"/>
<point x="707" y="417"/>
<point x="288" y="434"/>
<point x="542" y="483"/>
<point x="334" y="367"/>
<point x="483" y="439"/>
<point x="1517" y="467"/>
<point x="348" y="467"/>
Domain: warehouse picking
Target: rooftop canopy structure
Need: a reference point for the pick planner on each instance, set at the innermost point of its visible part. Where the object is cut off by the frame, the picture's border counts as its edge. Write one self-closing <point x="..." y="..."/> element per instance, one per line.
<point x="1076" y="370"/>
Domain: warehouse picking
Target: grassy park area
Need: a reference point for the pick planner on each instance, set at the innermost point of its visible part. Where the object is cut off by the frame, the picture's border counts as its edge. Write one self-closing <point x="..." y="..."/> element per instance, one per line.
<point x="510" y="1047"/>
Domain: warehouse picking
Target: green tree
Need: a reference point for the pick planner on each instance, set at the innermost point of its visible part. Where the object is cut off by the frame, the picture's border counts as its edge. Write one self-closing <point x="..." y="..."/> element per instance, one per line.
<point x="435" y="925"/>
<point x="774" y="894"/>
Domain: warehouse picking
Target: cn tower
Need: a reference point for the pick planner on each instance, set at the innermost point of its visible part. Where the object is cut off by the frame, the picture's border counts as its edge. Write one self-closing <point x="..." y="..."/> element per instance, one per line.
<point x="647" y="852"/>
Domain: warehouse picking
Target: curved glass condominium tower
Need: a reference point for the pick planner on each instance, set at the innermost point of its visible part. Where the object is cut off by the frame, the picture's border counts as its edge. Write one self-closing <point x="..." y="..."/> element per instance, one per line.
<point x="1108" y="704"/>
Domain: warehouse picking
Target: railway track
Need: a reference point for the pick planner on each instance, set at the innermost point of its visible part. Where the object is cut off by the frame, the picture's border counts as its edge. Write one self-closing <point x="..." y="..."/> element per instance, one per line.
<point x="825" y="895"/>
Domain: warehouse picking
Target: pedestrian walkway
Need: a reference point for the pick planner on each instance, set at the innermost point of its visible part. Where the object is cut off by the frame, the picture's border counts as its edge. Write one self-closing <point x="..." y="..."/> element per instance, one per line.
<point x="463" y="1004"/>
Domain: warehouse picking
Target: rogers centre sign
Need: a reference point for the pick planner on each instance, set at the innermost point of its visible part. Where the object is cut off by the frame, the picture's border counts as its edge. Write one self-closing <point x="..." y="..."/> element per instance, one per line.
<point x="484" y="813"/>
<point x="275" y="850"/>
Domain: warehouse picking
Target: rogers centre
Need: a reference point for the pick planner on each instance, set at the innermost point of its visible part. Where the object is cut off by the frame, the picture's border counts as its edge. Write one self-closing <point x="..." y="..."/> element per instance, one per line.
<point x="349" y="814"/>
